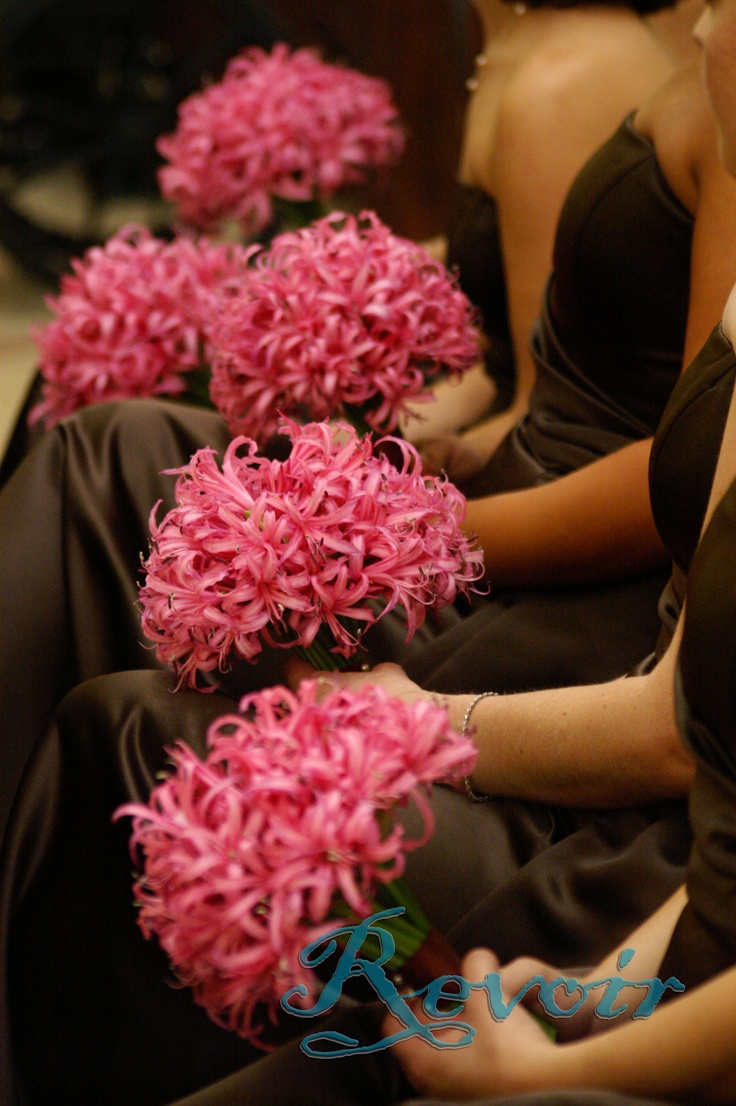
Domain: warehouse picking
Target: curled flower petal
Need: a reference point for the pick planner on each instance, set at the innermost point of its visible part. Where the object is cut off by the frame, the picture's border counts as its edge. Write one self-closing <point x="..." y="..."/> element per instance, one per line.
<point x="269" y="551"/>
<point x="340" y="314"/>
<point x="245" y="854"/>
<point x="131" y="320"/>
<point x="284" y="125"/>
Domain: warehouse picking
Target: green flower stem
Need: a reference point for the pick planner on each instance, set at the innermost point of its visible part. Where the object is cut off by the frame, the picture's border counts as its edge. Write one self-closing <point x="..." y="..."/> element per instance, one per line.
<point x="410" y="929"/>
<point x="319" y="654"/>
<point x="321" y="659"/>
<point x="197" y="392"/>
<point x="357" y="420"/>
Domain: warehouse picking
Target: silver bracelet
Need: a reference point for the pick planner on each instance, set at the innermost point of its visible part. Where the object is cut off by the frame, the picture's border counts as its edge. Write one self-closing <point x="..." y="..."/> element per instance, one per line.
<point x="469" y="790"/>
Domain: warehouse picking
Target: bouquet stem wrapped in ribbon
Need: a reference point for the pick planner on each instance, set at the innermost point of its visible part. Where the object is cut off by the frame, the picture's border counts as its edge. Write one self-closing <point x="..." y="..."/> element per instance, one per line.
<point x="307" y="552"/>
<point x="287" y="828"/>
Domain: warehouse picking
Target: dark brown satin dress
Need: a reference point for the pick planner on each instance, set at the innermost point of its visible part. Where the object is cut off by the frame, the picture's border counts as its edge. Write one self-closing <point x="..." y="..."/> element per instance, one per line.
<point x="74" y="516"/>
<point x="474" y="253"/>
<point x="608" y="349"/>
<point x="704" y="941"/>
<point x="91" y="1012"/>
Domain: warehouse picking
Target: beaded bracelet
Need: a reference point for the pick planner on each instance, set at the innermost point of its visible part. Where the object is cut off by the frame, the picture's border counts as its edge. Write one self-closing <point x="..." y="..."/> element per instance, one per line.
<point x="469" y="790"/>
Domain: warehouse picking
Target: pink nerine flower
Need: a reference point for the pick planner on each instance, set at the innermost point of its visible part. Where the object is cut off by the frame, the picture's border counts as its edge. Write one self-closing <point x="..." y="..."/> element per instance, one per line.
<point x="340" y="313"/>
<point x="130" y="321"/>
<point x="245" y="854"/>
<point x="270" y="551"/>
<point x="281" y="125"/>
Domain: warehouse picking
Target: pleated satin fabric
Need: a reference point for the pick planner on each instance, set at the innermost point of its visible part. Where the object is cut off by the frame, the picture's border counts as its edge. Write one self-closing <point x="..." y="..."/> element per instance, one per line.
<point x="704" y="941"/>
<point x="90" y="1004"/>
<point x="73" y="526"/>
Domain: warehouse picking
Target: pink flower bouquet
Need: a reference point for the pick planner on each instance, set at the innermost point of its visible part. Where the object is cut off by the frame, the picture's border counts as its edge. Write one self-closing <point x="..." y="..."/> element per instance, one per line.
<point x="339" y="318"/>
<point x="288" y="826"/>
<point x="265" y="551"/>
<point x="278" y="127"/>
<point x="131" y="320"/>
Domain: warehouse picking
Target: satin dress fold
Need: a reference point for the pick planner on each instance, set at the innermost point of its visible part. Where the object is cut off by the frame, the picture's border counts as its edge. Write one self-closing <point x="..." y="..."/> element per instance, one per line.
<point x="91" y="1013"/>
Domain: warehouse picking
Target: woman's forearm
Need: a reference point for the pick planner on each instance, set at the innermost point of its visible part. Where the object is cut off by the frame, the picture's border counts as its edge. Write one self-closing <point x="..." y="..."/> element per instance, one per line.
<point x="649" y="942"/>
<point x="590" y="525"/>
<point x="600" y="745"/>
<point x="684" y="1051"/>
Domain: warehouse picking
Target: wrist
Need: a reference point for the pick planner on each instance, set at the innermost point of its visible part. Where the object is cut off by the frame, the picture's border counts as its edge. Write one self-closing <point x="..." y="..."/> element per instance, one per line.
<point x="461" y="711"/>
<point x="541" y="1066"/>
<point x="466" y="729"/>
<point x="456" y="706"/>
<point x="563" y="1066"/>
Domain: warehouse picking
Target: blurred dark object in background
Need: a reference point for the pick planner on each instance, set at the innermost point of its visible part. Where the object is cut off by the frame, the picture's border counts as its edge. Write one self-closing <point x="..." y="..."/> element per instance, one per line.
<point x="86" y="87"/>
<point x="425" y="49"/>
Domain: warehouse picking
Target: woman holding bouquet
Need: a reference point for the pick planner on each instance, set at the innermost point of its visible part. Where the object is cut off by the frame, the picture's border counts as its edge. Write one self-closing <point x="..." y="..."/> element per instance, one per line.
<point x="106" y="746"/>
<point x="683" y="1052"/>
<point x="565" y="558"/>
<point x="85" y="1018"/>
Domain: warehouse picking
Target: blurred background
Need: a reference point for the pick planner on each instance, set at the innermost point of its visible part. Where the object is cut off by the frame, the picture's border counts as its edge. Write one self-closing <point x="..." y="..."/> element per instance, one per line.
<point x="86" y="87"/>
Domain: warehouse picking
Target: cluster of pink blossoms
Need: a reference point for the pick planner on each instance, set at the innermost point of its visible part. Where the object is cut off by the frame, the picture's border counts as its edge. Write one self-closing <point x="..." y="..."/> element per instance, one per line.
<point x="340" y="313"/>
<point x="244" y="854"/>
<point x="283" y="125"/>
<point x="131" y="320"/>
<point x="270" y="551"/>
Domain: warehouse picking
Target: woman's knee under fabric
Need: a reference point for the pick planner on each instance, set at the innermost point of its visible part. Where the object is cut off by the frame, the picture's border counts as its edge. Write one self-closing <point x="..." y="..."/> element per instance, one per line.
<point x="73" y="526"/>
<point x="88" y="992"/>
<point x="92" y="1005"/>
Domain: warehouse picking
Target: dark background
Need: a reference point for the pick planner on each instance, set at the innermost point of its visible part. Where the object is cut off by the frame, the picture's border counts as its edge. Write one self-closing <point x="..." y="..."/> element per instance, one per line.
<point x="90" y="84"/>
<point x="425" y="49"/>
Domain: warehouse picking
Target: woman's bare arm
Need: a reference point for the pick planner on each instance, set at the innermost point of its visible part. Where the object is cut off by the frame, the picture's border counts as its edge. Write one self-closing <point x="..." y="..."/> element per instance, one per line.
<point x="683" y="1051"/>
<point x="603" y="745"/>
<point x="594" y="524"/>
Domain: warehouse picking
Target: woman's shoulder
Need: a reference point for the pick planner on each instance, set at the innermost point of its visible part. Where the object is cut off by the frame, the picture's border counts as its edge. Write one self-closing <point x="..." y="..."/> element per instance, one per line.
<point x="589" y="68"/>
<point x="582" y="52"/>
<point x="679" y="123"/>
<point x="570" y="90"/>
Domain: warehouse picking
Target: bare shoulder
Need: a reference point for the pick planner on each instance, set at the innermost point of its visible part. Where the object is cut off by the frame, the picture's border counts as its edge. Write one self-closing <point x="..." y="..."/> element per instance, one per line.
<point x="679" y="122"/>
<point x="586" y="52"/>
<point x="588" y="70"/>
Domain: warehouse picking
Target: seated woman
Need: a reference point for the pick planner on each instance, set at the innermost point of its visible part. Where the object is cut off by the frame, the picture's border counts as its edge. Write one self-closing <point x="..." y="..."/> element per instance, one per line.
<point x="576" y="563"/>
<point x="88" y="1011"/>
<point x="684" y="1051"/>
<point x="551" y="84"/>
<point x="559" y="865"/>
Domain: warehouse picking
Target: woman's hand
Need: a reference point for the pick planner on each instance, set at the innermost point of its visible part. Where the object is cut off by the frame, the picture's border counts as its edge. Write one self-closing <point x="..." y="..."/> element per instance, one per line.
<point x="389" y="676"/>
<point x="450" y="454"/>
<point x="504" y="1057"/>
<point x="516" y="973"/>
<point x="464" y="456"/>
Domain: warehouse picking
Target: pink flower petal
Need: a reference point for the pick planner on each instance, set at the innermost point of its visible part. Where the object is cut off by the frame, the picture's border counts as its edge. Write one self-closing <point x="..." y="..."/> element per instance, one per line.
<point x="245" y="853"/>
